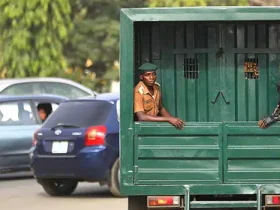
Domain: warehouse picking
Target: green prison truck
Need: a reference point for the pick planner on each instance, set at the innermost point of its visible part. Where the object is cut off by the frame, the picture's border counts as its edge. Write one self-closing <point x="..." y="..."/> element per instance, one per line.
<point x="218" y="70"/>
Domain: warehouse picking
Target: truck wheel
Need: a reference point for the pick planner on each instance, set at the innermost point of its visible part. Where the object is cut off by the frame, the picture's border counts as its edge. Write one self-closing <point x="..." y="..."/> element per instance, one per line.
<point x="114" y="182"/>
<point x="59" y="187"/>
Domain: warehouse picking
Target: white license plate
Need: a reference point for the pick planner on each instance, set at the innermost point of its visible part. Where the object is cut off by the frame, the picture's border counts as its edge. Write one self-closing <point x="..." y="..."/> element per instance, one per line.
<point x="59" y="147"/>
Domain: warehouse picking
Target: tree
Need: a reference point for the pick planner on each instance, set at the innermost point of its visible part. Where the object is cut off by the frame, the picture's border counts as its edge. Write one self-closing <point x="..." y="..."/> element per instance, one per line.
<point x="264" y="2"/>
<point x="32" y="36"/>
<point x="95" y="36"/>
<point x="181" y="3"/>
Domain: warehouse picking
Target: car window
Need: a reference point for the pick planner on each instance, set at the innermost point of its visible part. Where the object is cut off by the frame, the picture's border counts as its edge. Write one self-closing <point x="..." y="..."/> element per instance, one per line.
<point x="80" y="113"/>
<point x="45" y="109"/>
<point x="22" y="89"/>
<point x="66" y="90"/>
<point x="16" y="113"/>
<point x="53" y="104"/>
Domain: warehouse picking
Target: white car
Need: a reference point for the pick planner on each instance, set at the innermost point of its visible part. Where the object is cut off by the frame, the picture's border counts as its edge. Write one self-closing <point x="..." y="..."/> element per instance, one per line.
<point x="44" y="85"/>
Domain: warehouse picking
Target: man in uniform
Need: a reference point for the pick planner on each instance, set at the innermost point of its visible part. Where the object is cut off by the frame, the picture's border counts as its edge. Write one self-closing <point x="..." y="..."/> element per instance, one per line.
<point x="147" y="99"/>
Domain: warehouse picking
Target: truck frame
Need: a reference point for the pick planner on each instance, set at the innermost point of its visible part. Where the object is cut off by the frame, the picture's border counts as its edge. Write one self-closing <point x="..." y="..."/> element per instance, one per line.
<point x="218" y="68"/>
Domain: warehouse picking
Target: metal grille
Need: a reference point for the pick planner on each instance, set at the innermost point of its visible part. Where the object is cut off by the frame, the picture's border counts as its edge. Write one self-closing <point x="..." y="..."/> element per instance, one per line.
<point x="191" y="68"/>
<point x="251" y="68"/>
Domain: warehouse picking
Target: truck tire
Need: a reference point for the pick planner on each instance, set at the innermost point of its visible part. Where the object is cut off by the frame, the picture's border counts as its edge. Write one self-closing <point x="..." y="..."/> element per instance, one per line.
<point x="114" y="179"/>
<point x="59" y="187"/>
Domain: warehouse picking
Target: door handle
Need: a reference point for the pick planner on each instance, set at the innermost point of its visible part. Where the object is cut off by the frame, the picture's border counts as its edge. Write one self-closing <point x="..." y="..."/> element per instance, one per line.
<point x="225" y="97"/>
<point x="216" y="96"/>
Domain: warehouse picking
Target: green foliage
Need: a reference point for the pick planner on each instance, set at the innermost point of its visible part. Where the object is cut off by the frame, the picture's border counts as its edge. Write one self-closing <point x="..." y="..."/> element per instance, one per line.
<point x="32" y="36"/>
<point x="181" y="3"/>
<point x="96" y="34"/>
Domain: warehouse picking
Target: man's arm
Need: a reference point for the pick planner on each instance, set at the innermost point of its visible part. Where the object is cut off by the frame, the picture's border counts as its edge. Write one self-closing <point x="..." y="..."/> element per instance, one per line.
<point x="274" y="117"/>
<point x="142" y="116"/>
<point x="164" y="113"/>
<point x="178" y="123"/>
<point x="140" y="113"/>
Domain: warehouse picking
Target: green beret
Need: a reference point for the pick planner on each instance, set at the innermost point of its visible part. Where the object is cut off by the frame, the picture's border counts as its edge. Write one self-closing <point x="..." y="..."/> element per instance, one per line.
<point x="148" y="67"/>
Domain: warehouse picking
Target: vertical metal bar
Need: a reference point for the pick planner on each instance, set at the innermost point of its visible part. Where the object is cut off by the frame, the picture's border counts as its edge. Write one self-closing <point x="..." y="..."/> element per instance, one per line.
<point x="259" y="198"/>
<point x="188" y="68"/>
<point x="196" y="66"/>
<point x="191" y="67"/>
<point x="187" y="198"/>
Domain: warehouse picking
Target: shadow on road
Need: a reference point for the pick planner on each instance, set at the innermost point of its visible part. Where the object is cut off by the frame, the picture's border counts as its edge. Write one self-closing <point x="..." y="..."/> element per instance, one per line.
<point x="16" y="176"/>
<point x="85" y="191"/>
<point x="84" y="195"/>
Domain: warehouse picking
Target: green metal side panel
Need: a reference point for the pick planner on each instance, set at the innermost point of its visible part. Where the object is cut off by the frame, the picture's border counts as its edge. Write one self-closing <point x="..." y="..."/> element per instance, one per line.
<point x="165" y="155"/>
<point x="251" y="155"/>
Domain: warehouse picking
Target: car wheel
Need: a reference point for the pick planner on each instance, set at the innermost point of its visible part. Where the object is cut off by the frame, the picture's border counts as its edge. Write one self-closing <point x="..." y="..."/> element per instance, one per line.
<point x="114" y="182"/>
<point x="59" y="187"/>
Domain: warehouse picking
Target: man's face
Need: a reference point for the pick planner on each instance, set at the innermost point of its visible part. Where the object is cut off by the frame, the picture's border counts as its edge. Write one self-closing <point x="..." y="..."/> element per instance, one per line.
<point x="149" y="78"/>
<point x="42" y="114"/>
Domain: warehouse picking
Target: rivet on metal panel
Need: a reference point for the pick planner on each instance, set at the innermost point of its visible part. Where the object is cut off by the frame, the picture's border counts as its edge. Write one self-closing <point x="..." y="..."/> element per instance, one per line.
<point x="135" y="170"/>
<point x="130" y="131"/>
<point x="130" y="174"/>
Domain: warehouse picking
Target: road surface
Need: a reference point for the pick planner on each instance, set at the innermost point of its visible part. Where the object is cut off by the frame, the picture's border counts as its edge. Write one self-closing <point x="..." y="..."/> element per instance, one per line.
<point x="26" y="194"/>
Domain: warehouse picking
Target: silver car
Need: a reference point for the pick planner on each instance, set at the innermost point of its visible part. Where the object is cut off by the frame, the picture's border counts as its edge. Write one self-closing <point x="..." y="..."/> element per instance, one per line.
<point x="19" y="118"/>
<point x="44" y="85"/>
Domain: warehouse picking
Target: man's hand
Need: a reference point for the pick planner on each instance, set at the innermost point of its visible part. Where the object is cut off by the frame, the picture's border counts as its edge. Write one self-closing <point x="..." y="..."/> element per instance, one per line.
<point x="178" y="123"/>
<point x="261" y="124"/>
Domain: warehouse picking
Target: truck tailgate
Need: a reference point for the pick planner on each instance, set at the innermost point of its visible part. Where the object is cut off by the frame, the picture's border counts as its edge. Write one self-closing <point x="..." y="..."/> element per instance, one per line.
<point x="206" y="153"/>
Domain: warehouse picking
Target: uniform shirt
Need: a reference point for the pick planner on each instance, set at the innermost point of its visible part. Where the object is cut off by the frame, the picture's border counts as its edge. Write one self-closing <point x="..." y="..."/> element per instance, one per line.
<point x="144" y="101"/>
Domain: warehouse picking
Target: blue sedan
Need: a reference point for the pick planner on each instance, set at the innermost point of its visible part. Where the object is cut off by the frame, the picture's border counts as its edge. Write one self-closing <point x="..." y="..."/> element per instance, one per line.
<point x="79" y="142"/>
<point x="18" y="120"/>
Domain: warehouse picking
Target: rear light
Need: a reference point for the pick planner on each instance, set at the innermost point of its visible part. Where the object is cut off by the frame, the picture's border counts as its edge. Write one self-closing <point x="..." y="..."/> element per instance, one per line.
<point x="272" y="199"/>
<point x="95" y="135"/>
<point x="164" y="201"/>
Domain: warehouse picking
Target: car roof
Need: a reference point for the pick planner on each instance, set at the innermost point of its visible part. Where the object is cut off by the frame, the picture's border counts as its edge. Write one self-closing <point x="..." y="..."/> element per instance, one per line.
<point x="104" y="96"/>
<point x="31" y="97"/>
<point x="4" y="83"/>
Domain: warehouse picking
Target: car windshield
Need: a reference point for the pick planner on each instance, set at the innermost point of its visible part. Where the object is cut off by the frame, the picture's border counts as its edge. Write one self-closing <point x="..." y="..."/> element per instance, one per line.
<point x="16" y="113"/>
<point x="79" y="114"/>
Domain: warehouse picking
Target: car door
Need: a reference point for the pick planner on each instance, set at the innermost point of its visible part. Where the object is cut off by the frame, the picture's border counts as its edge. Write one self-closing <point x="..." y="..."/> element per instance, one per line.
<point x="17" y="125"/>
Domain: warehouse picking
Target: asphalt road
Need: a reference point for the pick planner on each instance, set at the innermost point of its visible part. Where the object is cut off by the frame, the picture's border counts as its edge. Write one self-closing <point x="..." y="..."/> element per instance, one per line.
<point x="24" y="193"/>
